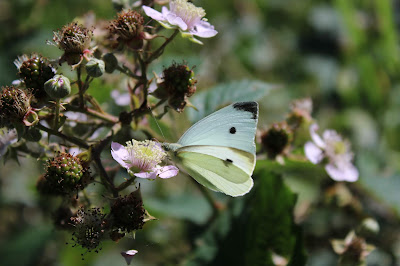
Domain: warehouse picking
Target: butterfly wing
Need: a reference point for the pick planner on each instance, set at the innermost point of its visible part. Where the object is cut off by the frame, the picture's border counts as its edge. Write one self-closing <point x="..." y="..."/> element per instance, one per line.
<point x="233" y="126"/>
<point x="219" y="150"/>
<point x="222" y="169"/>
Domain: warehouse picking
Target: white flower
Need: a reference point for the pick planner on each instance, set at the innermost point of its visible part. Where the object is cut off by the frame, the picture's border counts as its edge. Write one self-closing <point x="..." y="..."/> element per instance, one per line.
<point x="142" y="159"/>
<point x="335" y="150"/>
<point x="7" y="137"/>
<point x="184" y="16"/>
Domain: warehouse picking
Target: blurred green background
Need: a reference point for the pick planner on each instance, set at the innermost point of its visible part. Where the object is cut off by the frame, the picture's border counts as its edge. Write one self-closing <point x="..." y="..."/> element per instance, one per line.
<point x="343" y="54"/>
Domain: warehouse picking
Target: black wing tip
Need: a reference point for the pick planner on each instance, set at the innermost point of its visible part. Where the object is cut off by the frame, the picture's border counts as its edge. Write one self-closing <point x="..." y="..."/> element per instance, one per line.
<point x="251" y="107"/>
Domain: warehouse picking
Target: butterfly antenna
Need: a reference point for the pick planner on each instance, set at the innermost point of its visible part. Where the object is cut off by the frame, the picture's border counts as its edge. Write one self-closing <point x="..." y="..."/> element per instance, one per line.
<point x="155" y="119"/>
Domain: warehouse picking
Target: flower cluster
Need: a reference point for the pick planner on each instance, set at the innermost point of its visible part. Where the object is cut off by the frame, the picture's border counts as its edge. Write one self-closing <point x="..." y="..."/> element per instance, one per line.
<point x="335" y="150"/>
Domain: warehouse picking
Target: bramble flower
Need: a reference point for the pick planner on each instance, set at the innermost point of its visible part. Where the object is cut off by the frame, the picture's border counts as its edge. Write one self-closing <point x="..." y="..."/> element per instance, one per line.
<point x="142" y="159"/>
<point x="184" y="16"/>
<point x="7" y="137"/>
<point x="335" y="150"/>
<point x="128" y="255"/>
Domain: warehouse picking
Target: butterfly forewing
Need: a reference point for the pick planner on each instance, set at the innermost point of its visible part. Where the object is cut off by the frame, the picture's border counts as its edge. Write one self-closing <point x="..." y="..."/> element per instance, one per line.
<point x="233" y="126"/>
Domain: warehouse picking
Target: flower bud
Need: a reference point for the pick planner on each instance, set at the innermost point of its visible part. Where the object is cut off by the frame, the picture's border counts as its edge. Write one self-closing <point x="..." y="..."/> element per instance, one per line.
<point x="95" y="67"/>
<point x="276" y="139"/>
<point x="58" y="87"/>
<point x="33" y="134"/>
<point x="368" y="227"/>
<point x="110" y="61"/>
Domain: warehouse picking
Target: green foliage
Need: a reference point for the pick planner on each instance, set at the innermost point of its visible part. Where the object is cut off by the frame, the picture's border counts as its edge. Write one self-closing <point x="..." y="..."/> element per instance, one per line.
<point x="210" y="100"/>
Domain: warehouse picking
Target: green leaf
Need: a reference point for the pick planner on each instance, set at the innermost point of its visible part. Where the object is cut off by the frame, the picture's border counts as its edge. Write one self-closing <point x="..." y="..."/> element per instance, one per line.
<point x="254" y="227"/>
<point x="208" y="101"/>
<point x="270" y="227"/>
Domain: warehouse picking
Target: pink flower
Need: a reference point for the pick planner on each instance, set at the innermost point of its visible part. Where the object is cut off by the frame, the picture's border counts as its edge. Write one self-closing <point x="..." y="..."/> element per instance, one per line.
<point x="335" y="150"/>
<point x="128" y="255"/>
<point x="142" y="159"/>
<point x="184" y="16"/>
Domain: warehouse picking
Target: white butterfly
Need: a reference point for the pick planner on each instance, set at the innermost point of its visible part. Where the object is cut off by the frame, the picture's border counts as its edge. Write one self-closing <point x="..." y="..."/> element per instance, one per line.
<point x="219" y="150"/>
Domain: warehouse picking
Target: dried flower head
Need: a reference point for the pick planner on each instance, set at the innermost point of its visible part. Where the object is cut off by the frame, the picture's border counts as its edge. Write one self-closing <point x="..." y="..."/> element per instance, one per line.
<point x="353" y="250"/>
<point x="186" y="17"/>
<point x="15" y="105"/>
<point x="128" y="29"/>
<point x="35" y="71"/>
<point x="89" y="228"/>
<point x="178" y="84"/>
<point x="335" y="150"/>
<point x="74" y="40"/>
<point x="142" y="159"/>
<point x="128" y="213"/>
<point x="65" y="174"/>
<point x="276" y="139"/>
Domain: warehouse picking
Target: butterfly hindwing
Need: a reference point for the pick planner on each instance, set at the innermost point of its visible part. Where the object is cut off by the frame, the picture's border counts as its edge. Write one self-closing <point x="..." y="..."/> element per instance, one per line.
<point x="216" y="173"/>
<point x="232" y="126"/>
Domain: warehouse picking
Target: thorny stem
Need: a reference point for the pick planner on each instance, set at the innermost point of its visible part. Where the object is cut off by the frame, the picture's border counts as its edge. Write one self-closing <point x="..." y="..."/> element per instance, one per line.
<point x="103" y="116"/>
<point x="126" y="184"/>
<point x="159" y="51"/>
<point x="128" y="72"/>
<point x="81" y="92"/>
<point x="57" y="114"/>
<point x="71" y="139"/>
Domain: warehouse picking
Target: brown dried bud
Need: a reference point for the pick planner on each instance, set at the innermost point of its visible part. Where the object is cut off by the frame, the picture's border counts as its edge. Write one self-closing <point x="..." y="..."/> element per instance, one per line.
<point x="128" y="213"/>
<point x="128" y="29"/>
<point x="276" y="139"/>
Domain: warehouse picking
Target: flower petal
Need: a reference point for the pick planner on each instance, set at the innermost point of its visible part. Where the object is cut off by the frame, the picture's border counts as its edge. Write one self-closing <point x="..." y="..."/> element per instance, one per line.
<point x="128" y="255"/>
<point x="175" y="20"/>
<point x="120" y="154"/>
<point x="167" y="171"/>
<point x="313" y="152"/>
<point x="154" y="14"/>
<point x="315" y="137"/>
<point x="147" y="175"/>
<point x="203" y="29"/>
<point x="346" y="172"/>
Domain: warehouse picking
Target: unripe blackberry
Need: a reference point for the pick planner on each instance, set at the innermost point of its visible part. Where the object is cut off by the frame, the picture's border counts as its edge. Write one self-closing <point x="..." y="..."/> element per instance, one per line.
<point x="35" y="71"/>
<point x="128" y="213"/>
<point x="15" y="104"/>
<point x="65" y="174"/>
<point x="111" y="62"/>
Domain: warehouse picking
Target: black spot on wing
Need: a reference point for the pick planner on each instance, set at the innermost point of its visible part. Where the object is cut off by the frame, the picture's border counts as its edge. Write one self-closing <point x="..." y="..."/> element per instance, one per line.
<point x="251" y="107"/>
<point x="232" y="130"/>
<point x="228" y="162"/>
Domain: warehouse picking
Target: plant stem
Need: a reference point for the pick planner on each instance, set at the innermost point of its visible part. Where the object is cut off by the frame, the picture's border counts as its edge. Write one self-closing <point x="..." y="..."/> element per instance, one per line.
<point x="160" y="49"/>
<point x="71" y="139"/>
<point x="57" y="114"/>
<point x="81" y="91"/>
